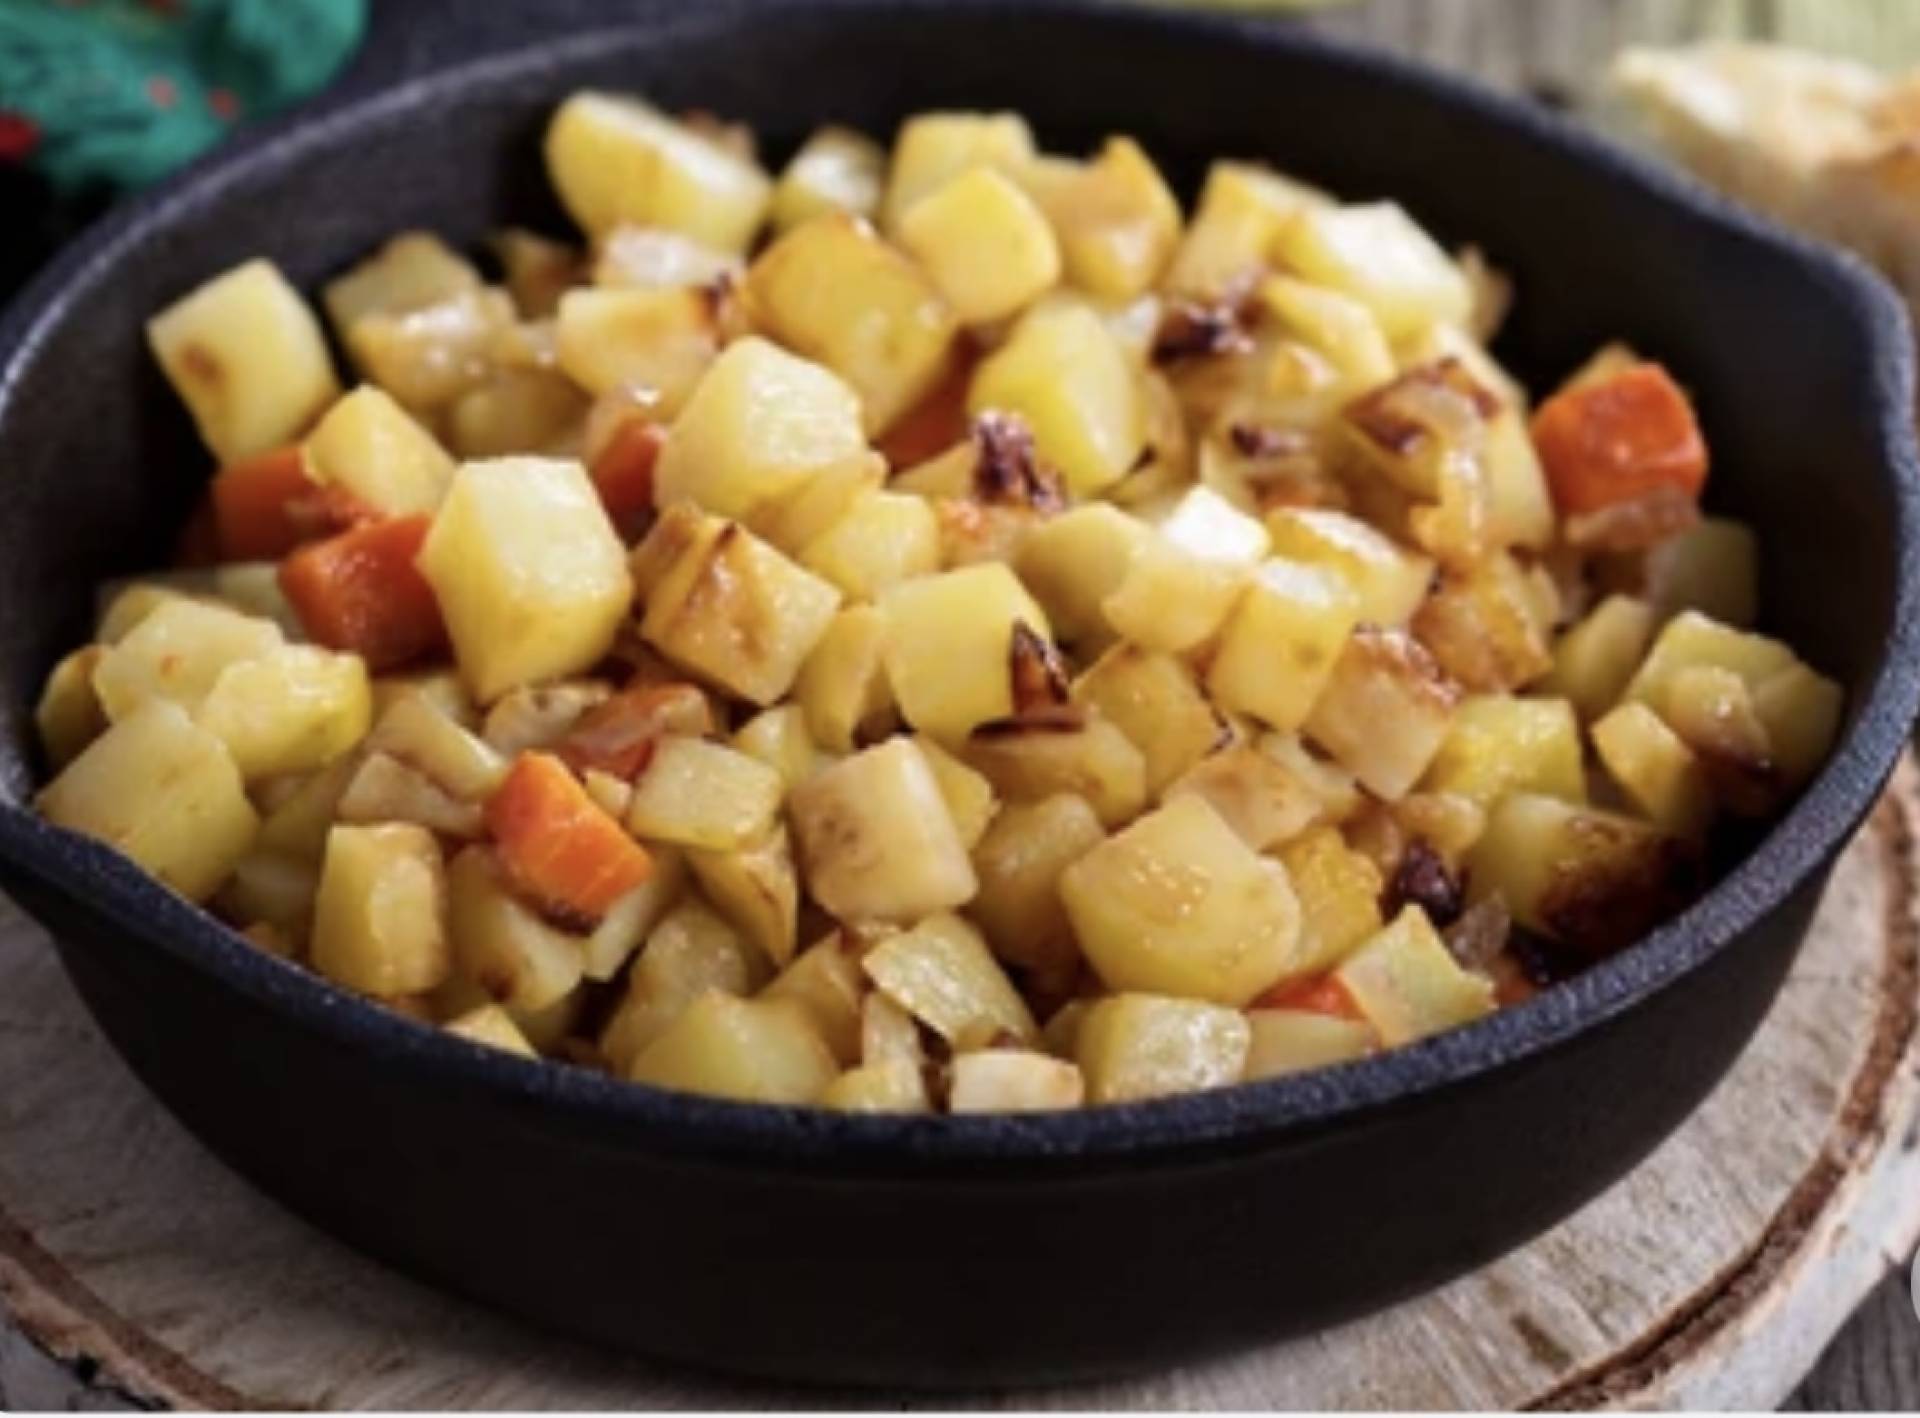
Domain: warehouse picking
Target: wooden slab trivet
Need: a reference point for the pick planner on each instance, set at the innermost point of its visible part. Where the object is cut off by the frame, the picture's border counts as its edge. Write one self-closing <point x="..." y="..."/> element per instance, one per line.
<point x="1712" y="1277"/>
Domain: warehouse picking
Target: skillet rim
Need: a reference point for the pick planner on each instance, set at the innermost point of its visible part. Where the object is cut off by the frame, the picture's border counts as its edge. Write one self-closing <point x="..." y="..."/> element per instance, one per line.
<point x="92" y="880"/>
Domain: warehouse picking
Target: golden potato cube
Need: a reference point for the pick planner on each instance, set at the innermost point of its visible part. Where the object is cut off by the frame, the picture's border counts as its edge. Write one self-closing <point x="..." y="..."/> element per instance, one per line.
<point x="1406" y="984"/>
<point x="827" y="979"/>
<point x="1712" y="567"/>
<point x="689" y="952"/>
<point x="1660" y="775"/>
<point x="1013" y="1081"/>
<point x="1064" y="373"/>
<point x="876" y="840"/>
<point x="933" y="148"/>
<point x="430" y="356"/>
<point x="409" y="272"/>
<point x="969" y="797"/>
<point x="1339" y="794"/>
<point x="530" y="575"/>
<point x="493" y="1026"/>
<point x="1177" y="904"/>
<point x="122" y="605"/>
<point x="949" y="647"/>
<point x="1077" y="753"/>
<point x="1692" y="640"/>
<point x="1229" y="243"/>
<point x="884" y="538"/>
<point x="1381" y="257"/>
<point x="1287" y="1041"/>
<point x="370" y="447"/>
<point x="843" y="684"/>
<point x="702" y="794"/>
<point x="1136" y="1046"/>
<point x="653" y="258"/>
<point x="1594" y="880"/>
<point x="1256" y="795"/>
<point x="380" y="919"/>
<point x="659" y="341"/>
<point x="833" y="291"/>
<point x="1154" y="700"/>
<point x="613" y="158"/>
<point x="68" y="715"/>
<point x="760" y="424"/>
<point x="631" y="919"/>
<point x="1337" y="326"/>
<point x="1183" y="584"/>
<point x="1281" y="642"/>
<point x="731" y="608"/>
<point x="778" y="737"/>
<point x="1801" y="712"/>
<point x="1019" y="861"/>
<point x="164" y="792"/>
<point x="1520" y="510"/>
<point x="290" y="711"/>
<point x="246" y="356"/>
<point x="1073" y="562"/>
<point x="942" y="973"/>
<point x="796" y="520"/>
<point x="988" y="248"/>
<point x="178" y="652"/>
<point x="1115" y="218"/>
<point x="1386" y="711"/>
<point x="502" y="946"/>
<point x="888" y="1034"/>
<point x="1339" y="892"/>
<point x="1481" y="625"/>
<point x="836" y="170"/>
<point x="537" y="269"/>
<point x="1497" y="745"/>
<point x="892" y="1087"/>
<point x="756" y="888"/>
<point x="756" y="1051"/>
<point x="418" y="732"/>
<point x="1594" y="660"/>
<point x="1390" y="580"/>
<point x="518" y="411"/>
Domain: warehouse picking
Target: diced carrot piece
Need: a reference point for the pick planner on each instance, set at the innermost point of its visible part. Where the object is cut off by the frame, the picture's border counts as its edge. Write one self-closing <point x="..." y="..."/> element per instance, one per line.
<point x="933" y="425"/>
<point x="558" y="847"/>
<point x="622" y="473"/>
<point x="267" y="505"/>
<point x="617" y="735"/>
<point x="1620" y="438"/>
<point x="360" y="591"/>
<point x="1323" y="995"/>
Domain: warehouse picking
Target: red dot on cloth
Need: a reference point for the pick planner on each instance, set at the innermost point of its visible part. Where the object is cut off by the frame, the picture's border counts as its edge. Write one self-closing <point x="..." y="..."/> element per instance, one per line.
<point x="223" y="103"/>
<point x="18" y="137"/>
<point x="162" y="91"/>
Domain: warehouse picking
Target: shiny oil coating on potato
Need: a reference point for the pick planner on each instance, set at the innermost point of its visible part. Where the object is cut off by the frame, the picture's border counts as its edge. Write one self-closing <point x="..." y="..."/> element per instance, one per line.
<point x="937" y="629"/>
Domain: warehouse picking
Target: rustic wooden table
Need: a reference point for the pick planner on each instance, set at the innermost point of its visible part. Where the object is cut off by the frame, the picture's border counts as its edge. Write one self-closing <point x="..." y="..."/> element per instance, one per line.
<point x="1548" y="47"/>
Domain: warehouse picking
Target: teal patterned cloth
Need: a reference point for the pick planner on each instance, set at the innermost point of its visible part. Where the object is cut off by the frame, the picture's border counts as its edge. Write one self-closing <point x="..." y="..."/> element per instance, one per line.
<point x="121" y="92"/>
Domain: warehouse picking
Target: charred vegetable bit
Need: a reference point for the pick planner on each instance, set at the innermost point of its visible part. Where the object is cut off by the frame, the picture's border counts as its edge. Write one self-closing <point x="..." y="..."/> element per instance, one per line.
<point x="930" y="630"/>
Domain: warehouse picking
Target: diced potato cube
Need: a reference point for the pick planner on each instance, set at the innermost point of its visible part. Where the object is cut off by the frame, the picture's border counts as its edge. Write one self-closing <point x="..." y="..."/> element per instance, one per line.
<point x="754" y="887"/>
<point x="1386" y="711"/>
<point x="290" y="711"/>
<point x="380" y="920"/>
<point x="1013" y="1081"/>
<point x="494" y="1027"/>
<point x="1657" y="771"/>
<point x="502" y="946"/>
<point x="876" y="840"/>
<point x="1019" y="862"/>
<point x="372" y="449"/>
<point x="702" y="794"/>
<point x="631" y="919"/>
<point x="949" y="647"/>
<point x="430" y="356"/>
<point x="843" y="684"/>
<point x="124" y="604"/>
<point x="1255" y="794"/>
<point x="518" y="411"/>
<point x="933" y="148"/>
<point x="661" y="341"/>
<point x="1340" y="796"/>
<point x="1712" y="567"/>
<point x="833" y="291"/>
<point x="613" y="159"/>
<point x="420" y="734"/>
<point x="1801" y="712"/>
<point x="759" y="426"/>
<point x="1338" y="326"/>
<point x="1480" y="625"/>
<point x="1407" y="986"/>
<point x="796" y="520"/>
<point x="989" y="249"/>
<point x="969" y="797"/>
<point x="1281" y="642"/>
<point x="246" y="356"/>
<point x="942" y="973"/>
<point x="1520" y="510"/>
<point x="1177" y="904"/>
<point x="1594" y="880"/>
<point x="757" y="1051"/>
<point x="383" y="789"/>
<point x="1155" y="701"/>
<point x="888" y="1034"/>
<point x="730" y="607"/>
<point x="1066" y="375"/>
<point x="164" y="792"/>
<point x="411" y="271"/>
<point x="1115" y="218"/>
<point x="1287" y="1041"/>
<point x="530" y="575"/>
<point x="1136" y="1046"/>
<point x="1183" y="584"/>
<point x="68" y="715"/>
<point x="689" y="952"/>
<point x="653" y="258"/>
<point x="1594" y="660"/>
<point x="1073" y="562"/>
<point x="1339" y="892"/>
<point x="1497" y="745"/>
<point x="1692" y="640"/>
<point x="1230" y="240"/>
<point x="836" y="170"/>
<point x="892" y="1087"/>
<point x="1074" y="753"/>
<point x="827" y="979"/>
<point x="1380" y="256"/>
<point x="1389" y="579"/>
<point x="778" y="737"/>
<point x="178" y="652"/>
<point x="884" y="538"/>
<point x="537" y="269"/>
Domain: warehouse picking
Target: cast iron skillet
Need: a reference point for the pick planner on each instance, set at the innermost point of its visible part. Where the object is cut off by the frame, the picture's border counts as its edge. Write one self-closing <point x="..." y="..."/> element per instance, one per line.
<point x="966" y="1251"/>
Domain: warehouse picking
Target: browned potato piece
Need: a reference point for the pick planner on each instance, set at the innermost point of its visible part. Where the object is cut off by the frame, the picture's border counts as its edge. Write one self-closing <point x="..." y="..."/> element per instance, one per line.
<point x="1019" y="862"/>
